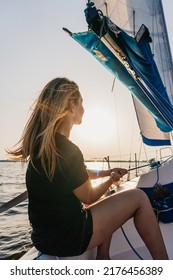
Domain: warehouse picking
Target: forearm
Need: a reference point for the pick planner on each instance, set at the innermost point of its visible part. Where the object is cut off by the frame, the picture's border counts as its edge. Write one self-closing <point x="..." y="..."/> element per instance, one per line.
<point x="95" y="174"/>
<point x="101" y="189"/>
<point x="88" y="194"/>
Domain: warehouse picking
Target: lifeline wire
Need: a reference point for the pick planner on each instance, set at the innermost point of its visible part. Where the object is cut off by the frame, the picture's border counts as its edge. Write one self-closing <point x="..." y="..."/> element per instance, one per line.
<point x="130" y="244"/>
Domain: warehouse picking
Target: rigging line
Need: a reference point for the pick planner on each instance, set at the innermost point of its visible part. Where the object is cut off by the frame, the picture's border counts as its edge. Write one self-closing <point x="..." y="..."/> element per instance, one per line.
<point x="106" y="7"/>
<point x="169" y="62"/>
<point x="113" y="8"/>
<point x="142" y="145"/>
<point x="131" y="246"/>
<point x="132" y="132"/>
<point x="157" y="178"/>
<point x="167" y="54"/>
<point x="113" y="84"/>
<point x="145" y="151"/>
<point x="123" y="26"/>
<point x="152" y="29"/>
<point x="140" y="10"/>
<point x="136" y="114"/>
<point x="138" y="167"/>
<point x="134" y="23"/>
<point x="159" y="44"/>
<point x="116" y="5"/>
<point x="140" y="148"/>
<point x="166" y="160"/>
<point x="168" y="110"/>
<point x="117" y="126"/>
<point x="130" y="6"/>
<point x="168" y="57"/>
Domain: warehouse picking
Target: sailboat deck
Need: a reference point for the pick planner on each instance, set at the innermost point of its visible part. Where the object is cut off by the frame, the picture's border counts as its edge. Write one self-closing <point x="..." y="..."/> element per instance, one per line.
<point x="120" y="248"/>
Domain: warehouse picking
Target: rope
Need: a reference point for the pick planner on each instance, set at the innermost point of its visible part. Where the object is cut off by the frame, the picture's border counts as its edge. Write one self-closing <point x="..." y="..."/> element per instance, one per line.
<point x="130" y="244"/>
<point x="137" y="167"/>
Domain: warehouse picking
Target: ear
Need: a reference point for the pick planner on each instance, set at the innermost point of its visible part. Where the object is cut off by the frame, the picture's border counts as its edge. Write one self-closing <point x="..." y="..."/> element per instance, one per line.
<point x="72" y="106"/>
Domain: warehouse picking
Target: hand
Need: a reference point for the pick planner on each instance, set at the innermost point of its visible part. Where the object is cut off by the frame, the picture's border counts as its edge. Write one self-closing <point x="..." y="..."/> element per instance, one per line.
<point x="115" y="176"/>
<point x="120" y="171"/>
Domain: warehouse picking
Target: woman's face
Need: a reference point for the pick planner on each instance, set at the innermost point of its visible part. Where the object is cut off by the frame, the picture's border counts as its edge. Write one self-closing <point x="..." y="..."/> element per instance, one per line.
<point x="78" y="111"/>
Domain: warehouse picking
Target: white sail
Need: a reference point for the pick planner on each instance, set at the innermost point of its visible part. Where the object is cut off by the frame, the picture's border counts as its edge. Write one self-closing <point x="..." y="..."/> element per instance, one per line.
<point x="129" y="15"/>
<point x="150" y="133"/>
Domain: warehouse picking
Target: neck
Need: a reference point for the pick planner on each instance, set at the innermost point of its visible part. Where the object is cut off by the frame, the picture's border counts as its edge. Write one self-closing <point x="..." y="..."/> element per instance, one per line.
<point x="65" y="128"/>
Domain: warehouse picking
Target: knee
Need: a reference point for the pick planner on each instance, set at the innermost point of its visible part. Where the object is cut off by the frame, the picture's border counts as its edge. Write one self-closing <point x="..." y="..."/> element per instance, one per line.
<point x="141" y="196"/>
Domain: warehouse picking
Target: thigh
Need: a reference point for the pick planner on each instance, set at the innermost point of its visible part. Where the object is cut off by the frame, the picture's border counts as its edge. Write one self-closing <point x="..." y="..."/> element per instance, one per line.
<point x="110" y="213"/>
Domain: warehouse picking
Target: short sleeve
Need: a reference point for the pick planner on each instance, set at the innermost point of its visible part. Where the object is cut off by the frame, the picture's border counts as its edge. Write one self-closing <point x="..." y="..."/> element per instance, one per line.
<point x="78" y="172"/>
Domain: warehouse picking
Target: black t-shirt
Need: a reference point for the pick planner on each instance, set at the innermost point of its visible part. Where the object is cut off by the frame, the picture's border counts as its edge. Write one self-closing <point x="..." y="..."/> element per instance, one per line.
<point x="52" y="204"/>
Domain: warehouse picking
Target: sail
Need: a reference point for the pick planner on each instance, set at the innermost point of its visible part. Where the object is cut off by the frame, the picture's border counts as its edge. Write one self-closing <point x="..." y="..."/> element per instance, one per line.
<point x="129" y="38"/>
<point x="151" y="135"/>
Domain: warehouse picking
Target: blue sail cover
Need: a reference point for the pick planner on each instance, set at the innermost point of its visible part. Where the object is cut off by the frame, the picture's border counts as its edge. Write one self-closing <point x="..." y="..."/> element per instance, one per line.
<point x="150" y="92"/>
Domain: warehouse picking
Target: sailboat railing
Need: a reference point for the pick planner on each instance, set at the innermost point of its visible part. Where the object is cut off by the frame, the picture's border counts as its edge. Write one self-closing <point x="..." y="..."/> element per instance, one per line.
<point x="13" y="202"/>
<point x="163" y="157"/>
<point x="23" y="196"/>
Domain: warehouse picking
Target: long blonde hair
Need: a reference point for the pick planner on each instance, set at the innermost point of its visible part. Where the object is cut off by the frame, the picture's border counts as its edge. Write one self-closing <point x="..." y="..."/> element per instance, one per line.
<point x="50" y="108"/>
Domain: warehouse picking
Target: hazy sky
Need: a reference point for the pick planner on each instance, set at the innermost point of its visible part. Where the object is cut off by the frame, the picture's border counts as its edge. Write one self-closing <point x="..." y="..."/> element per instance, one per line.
<point x="34" y="49"/>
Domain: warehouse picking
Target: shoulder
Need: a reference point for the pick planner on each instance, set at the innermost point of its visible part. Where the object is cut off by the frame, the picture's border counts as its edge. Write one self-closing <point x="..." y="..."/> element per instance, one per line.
<point x="66" y="147"/>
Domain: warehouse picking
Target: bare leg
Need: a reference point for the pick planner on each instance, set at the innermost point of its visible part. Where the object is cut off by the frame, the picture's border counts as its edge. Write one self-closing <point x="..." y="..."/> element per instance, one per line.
<point x="103" y="249"/>
<point x="112" y="212"/>
<point x="156" y="248"/>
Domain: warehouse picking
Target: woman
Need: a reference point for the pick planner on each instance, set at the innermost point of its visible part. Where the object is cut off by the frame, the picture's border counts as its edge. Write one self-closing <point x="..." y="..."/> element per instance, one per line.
<point x="59" y="185"/>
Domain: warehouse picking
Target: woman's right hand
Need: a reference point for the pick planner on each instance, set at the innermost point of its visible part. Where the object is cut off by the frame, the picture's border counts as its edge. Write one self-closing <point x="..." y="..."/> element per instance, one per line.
<point x="117" y="173"/>
<point x="115" y="176"/>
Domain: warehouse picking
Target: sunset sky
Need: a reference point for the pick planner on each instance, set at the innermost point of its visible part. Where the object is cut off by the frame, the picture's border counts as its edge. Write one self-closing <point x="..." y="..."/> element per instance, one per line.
<point x="35" y="49"/>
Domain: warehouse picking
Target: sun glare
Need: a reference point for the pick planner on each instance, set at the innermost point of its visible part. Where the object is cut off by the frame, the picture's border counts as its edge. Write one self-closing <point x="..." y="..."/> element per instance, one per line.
<point x="96" y="127"/>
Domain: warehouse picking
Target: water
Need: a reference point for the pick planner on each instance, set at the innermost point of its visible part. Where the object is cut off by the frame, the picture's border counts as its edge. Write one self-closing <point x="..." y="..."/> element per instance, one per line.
<point x="14" y="225"/>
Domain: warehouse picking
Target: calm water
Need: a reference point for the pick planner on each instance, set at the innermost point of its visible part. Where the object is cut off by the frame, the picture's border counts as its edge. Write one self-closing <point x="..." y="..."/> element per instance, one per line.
<point x="14" y="225"/>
